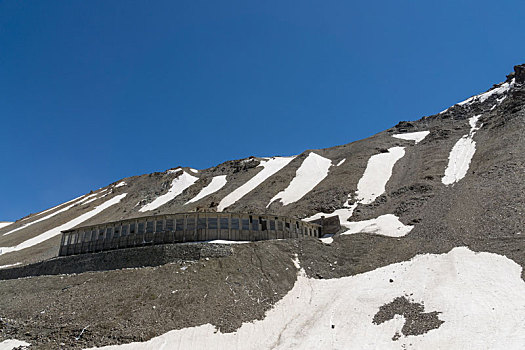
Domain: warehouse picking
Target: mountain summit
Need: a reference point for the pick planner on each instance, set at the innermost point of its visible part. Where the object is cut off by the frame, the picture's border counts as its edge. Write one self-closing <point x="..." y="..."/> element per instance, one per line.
<point x="429" y="254"/>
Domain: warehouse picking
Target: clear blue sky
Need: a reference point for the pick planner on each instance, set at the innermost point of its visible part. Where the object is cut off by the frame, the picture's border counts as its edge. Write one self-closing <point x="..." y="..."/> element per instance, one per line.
<point x="94" y="91"/>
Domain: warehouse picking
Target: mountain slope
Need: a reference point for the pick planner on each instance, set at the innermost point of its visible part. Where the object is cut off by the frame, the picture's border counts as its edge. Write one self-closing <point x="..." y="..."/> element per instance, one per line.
<point x="450" y="180"/>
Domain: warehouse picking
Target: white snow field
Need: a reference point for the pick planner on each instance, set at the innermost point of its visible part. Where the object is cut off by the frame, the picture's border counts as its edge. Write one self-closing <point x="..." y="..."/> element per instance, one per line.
<point x="84" y="200"/>
<point x="57" y="230"/>
<point x="377" y="174"/>
<point x="312" y="171"/>
<point x="479" y="296"/>
<point x="417" y="136"/>
<point x="217" y="182"/>
<point x="10" y="344"/>
<point x="270" y="166"/>
<point x="4" y="224"/>
<point x="385" y="225"/>
<point x="461" y="155"/>
<point x="178" y="185"/>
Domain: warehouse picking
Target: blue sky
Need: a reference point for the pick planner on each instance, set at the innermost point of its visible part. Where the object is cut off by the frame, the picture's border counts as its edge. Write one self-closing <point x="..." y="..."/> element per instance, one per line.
<point x="94" y="91"/>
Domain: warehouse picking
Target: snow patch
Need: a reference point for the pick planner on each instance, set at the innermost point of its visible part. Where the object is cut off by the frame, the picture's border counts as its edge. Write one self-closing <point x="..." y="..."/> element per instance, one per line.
<point x="223" y="241"/>
<point x="57" y="230"/>
<point x="312" y="171"/>
<point x="378" y="171"/>
<point x="385" y="225"/>
<point x="413" y="136"/>
<point x="503" y="88"/>
<point x="327" y="239"/>
<point x="217" y="182"/>
<point x="10" y="344"/>
<point x="4" y="224"/>
<point x="270" y="166"/>
<point x="173" y="171"/>
<point x="341" y="162"/>
<point x="178" y="185"/>
<point x="479" y="296"/>
<point x="120" y="184"/>
<point x="195" y="171"/>
<point x="461" y="154"/>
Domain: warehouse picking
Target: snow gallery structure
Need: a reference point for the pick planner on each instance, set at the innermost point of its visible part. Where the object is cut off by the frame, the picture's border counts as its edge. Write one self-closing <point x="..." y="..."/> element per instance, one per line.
<point x="183" y="227"/>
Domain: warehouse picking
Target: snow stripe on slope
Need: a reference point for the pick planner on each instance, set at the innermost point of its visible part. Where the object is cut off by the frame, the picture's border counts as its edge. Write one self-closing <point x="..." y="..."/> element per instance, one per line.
<point x="53" y="208"/>
<point x="479" y="296"/>
<point x="461" y="155"/>
<point x="217" y="182"/>
<point x="377" y="174"/>
<point x="385" y="225"/>
<point x="57" y="230"/>
<point x="413" y="136"/>
<point x="92" y="199"/>
<point x="312" y="171"/>
<point x="370" y="186"/>
<point x="270" y="167"/>
<point x="10" y="265"/>
<point x="86" y="199"/>
<point x="178" y="185"/>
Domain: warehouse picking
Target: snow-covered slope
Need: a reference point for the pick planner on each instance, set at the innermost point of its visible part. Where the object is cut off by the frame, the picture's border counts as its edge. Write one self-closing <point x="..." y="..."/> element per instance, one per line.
<point x="465" y="298"/>
<point x="429" y="254"/>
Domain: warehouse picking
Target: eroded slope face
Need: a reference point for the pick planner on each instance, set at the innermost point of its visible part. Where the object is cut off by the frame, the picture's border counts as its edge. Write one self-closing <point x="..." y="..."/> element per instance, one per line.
<point x="450" y="180"/>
